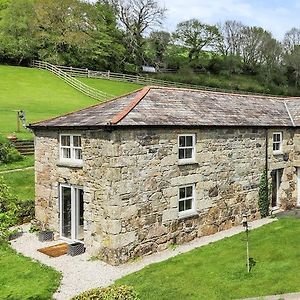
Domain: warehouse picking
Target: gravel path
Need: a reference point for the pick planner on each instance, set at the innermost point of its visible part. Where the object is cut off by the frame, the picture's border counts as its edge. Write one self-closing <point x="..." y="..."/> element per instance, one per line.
<point x="80" y="273"/>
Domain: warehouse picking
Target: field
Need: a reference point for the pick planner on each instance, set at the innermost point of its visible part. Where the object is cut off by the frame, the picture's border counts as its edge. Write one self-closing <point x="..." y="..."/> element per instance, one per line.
<point x="42" y="95"/>
<point x="218" y="271"/>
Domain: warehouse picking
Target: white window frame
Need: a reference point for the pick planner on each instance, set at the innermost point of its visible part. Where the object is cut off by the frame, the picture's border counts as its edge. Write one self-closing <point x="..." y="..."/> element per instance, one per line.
<point x="74" y="212"/>
<point x="191" y="159"/>
<point x="72" y="148"/>
<point x="279" y="151"/>
<point x="192" y="211"/>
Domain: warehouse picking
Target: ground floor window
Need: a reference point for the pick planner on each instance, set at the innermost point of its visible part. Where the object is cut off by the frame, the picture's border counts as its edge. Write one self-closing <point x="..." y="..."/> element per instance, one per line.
<point x="71" y="212"/>
<point x="186" y="199"/>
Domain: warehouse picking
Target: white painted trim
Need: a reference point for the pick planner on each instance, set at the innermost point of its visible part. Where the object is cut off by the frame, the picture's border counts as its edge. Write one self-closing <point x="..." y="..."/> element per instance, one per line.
<point x="74" y="211"/>
<point x="72" y="160"/>
<point x="298" y="186"/>
<point x="277" y="152"/>
<point x="191" y="160"/>
<point x="192" y="211"/>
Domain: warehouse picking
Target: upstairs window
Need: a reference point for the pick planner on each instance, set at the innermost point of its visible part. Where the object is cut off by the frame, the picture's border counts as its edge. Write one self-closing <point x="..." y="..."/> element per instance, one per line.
<point x="186" y="148"/>
<point x="70" y="147"/>
<point x="277" y="142"/>
<point x="186" y="199"/>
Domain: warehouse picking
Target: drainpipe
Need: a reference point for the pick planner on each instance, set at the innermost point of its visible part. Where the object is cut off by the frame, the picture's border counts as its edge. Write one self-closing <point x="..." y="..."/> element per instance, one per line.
<point x="266" y="160"/>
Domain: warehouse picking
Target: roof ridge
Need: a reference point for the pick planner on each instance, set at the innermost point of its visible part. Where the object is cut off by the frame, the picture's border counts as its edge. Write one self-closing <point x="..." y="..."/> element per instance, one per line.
<point x="127" y="109"/>
<point x="84" y="108"/>
<point x="274" y="97"/>
<point x="289" y="113"/>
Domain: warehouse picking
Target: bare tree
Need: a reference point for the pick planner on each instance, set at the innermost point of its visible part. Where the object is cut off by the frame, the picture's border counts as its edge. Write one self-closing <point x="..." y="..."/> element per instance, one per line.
<point x="136" y="17"/>
<point x="195" y="36"/>
<point x="231" y="35"/>
<point x="291" y="39"/>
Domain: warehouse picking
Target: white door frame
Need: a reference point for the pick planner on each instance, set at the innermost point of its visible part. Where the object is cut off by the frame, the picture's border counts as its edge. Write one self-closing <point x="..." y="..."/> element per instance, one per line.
<point x="74" y="212"/>
<point x="298" y="186"/>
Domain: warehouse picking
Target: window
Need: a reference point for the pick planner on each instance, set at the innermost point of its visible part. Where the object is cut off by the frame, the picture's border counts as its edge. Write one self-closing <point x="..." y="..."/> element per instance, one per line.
<point x="186" y="201"/>
<point x="70" y="147"/>
<point x="186" y="148"/>
<point x="277" y="142"/>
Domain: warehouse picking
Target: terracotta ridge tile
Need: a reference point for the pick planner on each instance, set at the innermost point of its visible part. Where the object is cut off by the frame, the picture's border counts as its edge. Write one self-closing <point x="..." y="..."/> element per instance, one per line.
<point x="37" y="123"/>
<point x="126" y="110"/>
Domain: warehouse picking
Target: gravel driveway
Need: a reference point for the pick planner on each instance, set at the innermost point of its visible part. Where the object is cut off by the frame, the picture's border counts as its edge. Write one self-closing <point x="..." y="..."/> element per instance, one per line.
<point x="80" y="273"/>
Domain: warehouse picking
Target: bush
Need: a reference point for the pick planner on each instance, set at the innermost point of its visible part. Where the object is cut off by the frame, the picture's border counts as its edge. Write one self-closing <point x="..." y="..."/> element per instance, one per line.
<point x="12" y="210"/>
<point x="263" y="201"/>
<point x="121" y="292"/>
<point x="8" y="153"/>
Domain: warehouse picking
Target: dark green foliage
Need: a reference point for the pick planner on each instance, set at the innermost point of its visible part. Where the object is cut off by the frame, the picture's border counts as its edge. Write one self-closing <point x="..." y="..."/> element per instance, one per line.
<point x="8" y="153"/>
<point x="12" y="210"/>
<point x="263" y="199"/>
<point x="121" y="292"/>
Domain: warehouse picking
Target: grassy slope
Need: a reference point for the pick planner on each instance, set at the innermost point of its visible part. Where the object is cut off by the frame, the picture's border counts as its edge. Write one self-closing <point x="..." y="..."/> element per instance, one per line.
<point x="28" y="161"/>
<point x="21" y="183"/>
<point x="21" y="278"/>
<point x="42" y="95"/>
<point x="111" y="87"/>
<point x="218" y="270"/>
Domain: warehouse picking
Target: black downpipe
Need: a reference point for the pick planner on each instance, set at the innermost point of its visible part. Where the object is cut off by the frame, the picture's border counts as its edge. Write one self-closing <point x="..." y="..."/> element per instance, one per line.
<point x="266" y="161"/>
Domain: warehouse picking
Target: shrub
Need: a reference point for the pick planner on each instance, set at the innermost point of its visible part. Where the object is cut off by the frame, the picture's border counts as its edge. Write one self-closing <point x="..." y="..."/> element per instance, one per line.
<point x="263" y="201"/>
<point x="8" y="153"/>
<point x="121" y="292"/>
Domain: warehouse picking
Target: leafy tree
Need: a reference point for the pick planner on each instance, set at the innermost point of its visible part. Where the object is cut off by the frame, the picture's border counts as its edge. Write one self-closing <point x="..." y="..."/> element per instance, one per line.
<point x="136" y="17"/>
<point x="292" y="62"/>
<point x="291" y="39"/>
<point x="17" y="31"/>
<point x="195" y="36"/>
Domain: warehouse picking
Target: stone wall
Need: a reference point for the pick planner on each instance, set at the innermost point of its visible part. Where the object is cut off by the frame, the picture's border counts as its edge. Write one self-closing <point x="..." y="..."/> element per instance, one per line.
<point x="131" y="180"/>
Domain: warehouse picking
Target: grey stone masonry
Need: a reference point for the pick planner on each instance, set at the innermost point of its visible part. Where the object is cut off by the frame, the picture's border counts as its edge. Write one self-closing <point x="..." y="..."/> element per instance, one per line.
<point x="131" y="180"/>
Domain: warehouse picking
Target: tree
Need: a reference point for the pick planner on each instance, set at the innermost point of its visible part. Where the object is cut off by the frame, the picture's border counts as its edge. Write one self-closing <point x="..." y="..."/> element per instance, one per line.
<point x="62" y="29"/>
<point x="159" y="41"/>
<point x="195" y="36"/>
<point x="230" y="41"/>
<point x="291" y="39"/>
<point x="257" y="48"/>
<point x="136" y="17"/>
<point x="17" y="31"/>
<point x="292" y="62"/>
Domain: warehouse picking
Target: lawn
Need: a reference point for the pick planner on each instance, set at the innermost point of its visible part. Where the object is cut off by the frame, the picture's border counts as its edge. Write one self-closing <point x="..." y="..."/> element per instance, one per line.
<point x="42" y="95"/>
<point x="111" y="87"/>
<point x="21" y="278"/>
<point x="28" y="161"/>
<point x="218" y="270"/>
<point x="21" y="183"/>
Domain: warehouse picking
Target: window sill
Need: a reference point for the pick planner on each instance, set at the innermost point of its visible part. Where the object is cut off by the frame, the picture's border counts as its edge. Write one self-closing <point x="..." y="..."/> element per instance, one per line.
<point x="70" y="164"/>
<point x="187" y="162"/>
<point x="277" y="152"/>
<point x="187" y="214"/>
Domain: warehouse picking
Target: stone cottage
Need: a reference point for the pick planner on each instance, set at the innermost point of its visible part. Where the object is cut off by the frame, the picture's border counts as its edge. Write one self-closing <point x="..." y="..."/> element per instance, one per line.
<point x="161" y="166"/>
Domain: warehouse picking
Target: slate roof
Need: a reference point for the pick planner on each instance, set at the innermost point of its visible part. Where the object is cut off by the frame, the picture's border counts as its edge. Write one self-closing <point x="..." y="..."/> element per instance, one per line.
<point x="160" y="106"/>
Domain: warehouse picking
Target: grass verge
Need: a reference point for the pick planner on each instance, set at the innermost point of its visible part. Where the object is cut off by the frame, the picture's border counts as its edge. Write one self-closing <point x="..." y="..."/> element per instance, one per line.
<point x="21" y="278"/>
<point x="218" y="270"/>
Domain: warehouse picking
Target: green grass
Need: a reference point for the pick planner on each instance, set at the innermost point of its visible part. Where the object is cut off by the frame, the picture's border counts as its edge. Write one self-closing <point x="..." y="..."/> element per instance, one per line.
<point x="115" y="88"/>
<point x="218" y="270"/>
<point x="42" y="95"/>
<point x="21" y="183"/>
<point x="28" y="161"/>
<point x="21" y="278"/>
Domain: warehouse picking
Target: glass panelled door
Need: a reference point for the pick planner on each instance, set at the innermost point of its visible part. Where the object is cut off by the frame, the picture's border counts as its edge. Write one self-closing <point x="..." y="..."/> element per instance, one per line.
<point x="71" y="212"/>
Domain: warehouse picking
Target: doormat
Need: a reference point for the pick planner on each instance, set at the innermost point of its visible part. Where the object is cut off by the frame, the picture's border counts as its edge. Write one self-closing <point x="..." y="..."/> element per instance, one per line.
<point x="55" y="251"/>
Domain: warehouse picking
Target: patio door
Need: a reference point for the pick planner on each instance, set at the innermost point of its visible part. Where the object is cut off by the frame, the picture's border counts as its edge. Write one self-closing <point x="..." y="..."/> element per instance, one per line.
<point x="71" y="212"/>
